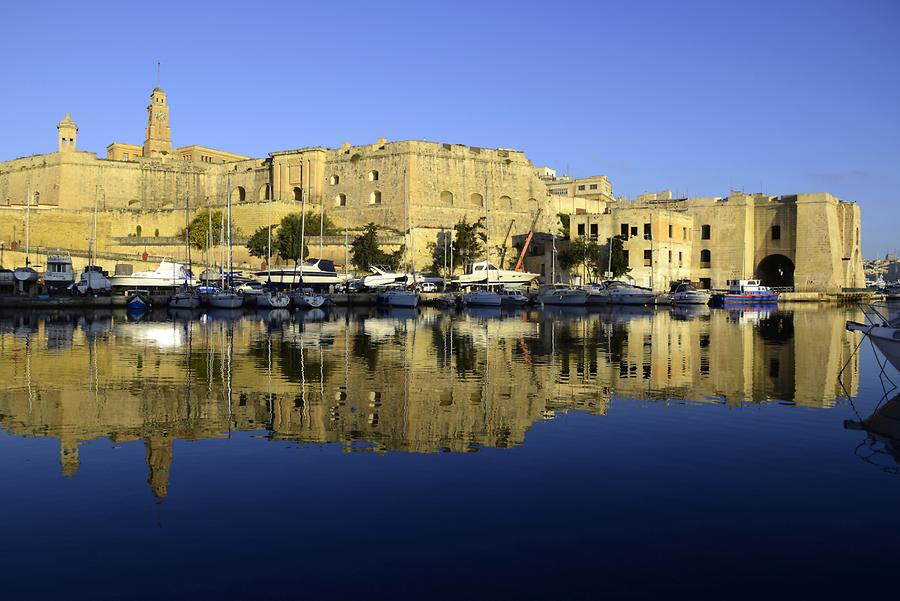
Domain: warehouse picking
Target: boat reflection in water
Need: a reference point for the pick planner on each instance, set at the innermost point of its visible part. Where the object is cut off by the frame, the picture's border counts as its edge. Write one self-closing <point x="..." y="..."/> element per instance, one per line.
<point x="417" y="380"/>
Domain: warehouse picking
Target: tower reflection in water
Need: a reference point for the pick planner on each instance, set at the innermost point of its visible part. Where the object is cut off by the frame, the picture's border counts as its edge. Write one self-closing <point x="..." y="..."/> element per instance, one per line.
<point x="420" y="381"/>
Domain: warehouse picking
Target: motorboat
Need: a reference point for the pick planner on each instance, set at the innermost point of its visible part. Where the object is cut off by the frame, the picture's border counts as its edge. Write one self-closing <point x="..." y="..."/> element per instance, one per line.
<point x="59" y="273"/>
<point x="186" y="298"/>
<point x="93" y="280"/>
<point x="623" y="293"/>
<point x="225" y="299"/>
<point x="398" y="297"/>
<point x="884" y="334"/>
<point x="382" y="275"/>
<point x="137" y="300"/>
<point x="483" y="272"/>
<point x="481" y="298"/>
<point x="561" y="294"/>
<point x="273" y="299"/>
<point x="307" y="299"/>
<point x="513" y="298"/>
<point x="595" y="294"/>
<point x="6" y="277"/>
<point x="684" y="293"/>
<point x="166" y="275"/>
<point x="26" y="275"/>
<point x="746" y="292"/>
<point x="447" y="300"/>
<point x="312" y="272"/>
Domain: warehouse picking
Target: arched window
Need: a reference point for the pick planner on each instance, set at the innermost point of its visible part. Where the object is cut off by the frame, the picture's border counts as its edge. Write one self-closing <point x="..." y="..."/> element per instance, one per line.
<point x="476" y="199"/>
<point x="447" y="197"/>
<point x="705" y="232"/>
<point x="134" y="204"/>
<point x="340" y="200"/>
<point x="355" y="158"/>
<point x="238" y="194"/>
<point x="705" y="258"/>
<point x="298" y="194"/>
<point x="375" y="198"/>
<point x="505" y="202"/>
<point x="36" y="199"/>
<point x="334" y="180"/>
<point x="264" y="192"/>
<point x="373" y="176"/>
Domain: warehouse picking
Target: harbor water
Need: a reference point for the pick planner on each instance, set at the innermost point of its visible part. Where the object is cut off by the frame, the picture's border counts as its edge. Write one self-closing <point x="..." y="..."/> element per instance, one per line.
<point x="358" y="452"/>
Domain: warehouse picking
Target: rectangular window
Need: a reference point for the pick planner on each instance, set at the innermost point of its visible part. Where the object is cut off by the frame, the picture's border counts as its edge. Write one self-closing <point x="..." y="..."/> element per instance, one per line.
<point x="670" y="231"/>
<point x="679" y="258"/>
<point x="125" y="156"/>
<point x="623" y="230"/>
<point x="705" y="283"/>
<point x="684" y="233"/>
<point x="593" y="186"/>
<point x="648" y="257"/>
<point x="705" y="232"/>
<point x="776" y="232"/>
<point x="648" y="235"/>
<point x="581" y="187"/>
<point x="594" y="231"/>
<point x="670" y="256"/>
<point x="634" y="230"/>
<point x="581" y="229"/>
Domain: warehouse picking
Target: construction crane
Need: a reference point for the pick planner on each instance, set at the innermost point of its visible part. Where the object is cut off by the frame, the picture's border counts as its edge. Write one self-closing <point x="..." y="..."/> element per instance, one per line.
<point x="520" y="263"/>
<point x="503" y="248"/>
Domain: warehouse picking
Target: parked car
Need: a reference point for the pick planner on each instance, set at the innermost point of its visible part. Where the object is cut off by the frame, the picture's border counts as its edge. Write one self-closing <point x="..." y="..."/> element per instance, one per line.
<point x="427" y="287"/>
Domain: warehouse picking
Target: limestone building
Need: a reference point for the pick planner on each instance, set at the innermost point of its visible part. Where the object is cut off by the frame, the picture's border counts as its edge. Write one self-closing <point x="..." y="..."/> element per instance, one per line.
<point x="140" y="192"/>
<point x="810" y="242"/>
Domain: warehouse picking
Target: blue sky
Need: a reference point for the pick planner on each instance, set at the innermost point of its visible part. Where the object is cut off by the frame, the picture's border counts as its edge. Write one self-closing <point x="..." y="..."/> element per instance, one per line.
<point x="698" y="97"/>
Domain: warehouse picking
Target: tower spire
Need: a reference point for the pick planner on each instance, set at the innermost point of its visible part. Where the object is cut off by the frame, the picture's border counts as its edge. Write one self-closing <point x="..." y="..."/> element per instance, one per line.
<point x="157" y="75"/>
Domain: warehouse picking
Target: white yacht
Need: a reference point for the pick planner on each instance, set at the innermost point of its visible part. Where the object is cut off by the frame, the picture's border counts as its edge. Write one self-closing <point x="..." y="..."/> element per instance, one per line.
<point x="684" y="293"/>
<point x="885" y="335"/>
<point x="482" y="272"/>
<point x="561" y="294"/>
<point x="595" y="294"/>
<point x="513" y="298"/>
<point x="398" y="297"/>
<point x="225" y="299"/>
<point x="307" y="299"/>
<point x="622" y="293"/>
<point x="382" y="275"/>
<point x="59" y="272"/>
<point x="25" y="275"/>
<point x="93" y="280"/>
<point x="481" y="298"/>
<point x="167" y="275"/>
<point x="312" y="272"/>
<point x="273" y="299"/>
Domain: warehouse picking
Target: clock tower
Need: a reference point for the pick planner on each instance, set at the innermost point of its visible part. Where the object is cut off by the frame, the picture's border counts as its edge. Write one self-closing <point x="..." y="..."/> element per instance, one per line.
<point x="158" y="141"/>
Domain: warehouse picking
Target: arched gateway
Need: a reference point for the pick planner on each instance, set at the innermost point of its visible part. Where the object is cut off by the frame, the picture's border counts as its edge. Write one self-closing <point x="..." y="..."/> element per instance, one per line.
<point x="776" y="271"/>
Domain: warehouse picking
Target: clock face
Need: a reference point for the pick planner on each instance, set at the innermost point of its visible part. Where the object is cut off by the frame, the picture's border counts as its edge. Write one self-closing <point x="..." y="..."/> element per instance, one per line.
<point x="160" y="116"/>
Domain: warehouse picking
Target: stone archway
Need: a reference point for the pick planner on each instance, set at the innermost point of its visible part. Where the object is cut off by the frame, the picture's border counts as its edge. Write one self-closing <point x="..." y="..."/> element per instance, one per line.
<point x="776" y="271"/>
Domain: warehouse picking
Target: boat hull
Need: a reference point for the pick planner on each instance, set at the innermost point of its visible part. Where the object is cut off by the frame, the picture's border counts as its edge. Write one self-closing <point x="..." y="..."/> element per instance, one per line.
<point x="225" y="301"/>
<point x="481" y="299"/>
<point x="184" y="301"/>
<point x="569" y="300"/>
<point x="749" y="299"/>
<point x="399" y="299"/>
<point x="273" y="300"/>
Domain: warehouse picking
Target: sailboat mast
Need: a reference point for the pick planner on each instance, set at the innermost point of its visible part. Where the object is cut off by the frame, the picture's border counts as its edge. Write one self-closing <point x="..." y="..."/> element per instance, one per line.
<point x="27" y="226"/>
<point x="269" y="241"/>
<point x="321" y="226"/>
<point x="230" y="258"/>
<point x="187" y="227"/>
<point x="302" y="233"/>
<point x="412" y="239"/>
<point x="487" y="235"/>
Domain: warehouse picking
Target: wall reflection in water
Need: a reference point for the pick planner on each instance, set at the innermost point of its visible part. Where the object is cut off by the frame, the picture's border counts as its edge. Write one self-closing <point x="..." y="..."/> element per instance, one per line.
<point x="418" y="381"/>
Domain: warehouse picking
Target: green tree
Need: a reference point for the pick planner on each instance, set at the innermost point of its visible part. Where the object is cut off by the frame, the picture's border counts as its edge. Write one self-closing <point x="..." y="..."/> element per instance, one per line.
<point x="366" y="250"/>
<point x="583" y="255"/>
<point x="469" y="243"/>
<point x="287" y="241"/>
<point x="258" y="243"/>
<point x="619" y="263"/>
<point x="198" y="227"/>
<point x="440" y="251"/>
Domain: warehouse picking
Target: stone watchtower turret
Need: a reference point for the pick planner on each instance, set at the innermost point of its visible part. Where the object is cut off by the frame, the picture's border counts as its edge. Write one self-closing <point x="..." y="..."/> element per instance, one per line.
<point x="158" y="141"/>
<point x="67" y="132"/>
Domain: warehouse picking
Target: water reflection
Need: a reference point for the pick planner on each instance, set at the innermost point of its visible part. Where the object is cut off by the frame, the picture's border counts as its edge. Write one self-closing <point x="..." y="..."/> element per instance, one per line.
<point x="379" y="381"/>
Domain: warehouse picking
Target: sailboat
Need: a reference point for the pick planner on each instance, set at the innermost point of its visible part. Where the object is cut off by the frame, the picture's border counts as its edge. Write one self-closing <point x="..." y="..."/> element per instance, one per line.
<point x="560" y="294"/>
<point x="484" y="297"/>
<point x="401" y="296"/>
<point x="305" y="298"/>
<point x="186" y="298"/>
<point x="93" y="278"/>
<point x="227" y="298"/>
<point x="26" y="275"/>
<point x="270" y="297"/>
